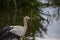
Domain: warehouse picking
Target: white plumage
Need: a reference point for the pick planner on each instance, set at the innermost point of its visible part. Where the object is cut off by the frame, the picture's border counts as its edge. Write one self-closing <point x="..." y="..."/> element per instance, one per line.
<point x="19" y="30"/>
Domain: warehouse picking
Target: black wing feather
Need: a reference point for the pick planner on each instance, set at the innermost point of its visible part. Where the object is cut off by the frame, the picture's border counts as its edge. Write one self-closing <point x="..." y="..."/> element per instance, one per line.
<point x="4" y="30"/>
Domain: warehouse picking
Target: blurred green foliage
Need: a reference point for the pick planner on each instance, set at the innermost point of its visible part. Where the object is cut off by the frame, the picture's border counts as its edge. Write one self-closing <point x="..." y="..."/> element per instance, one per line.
<point x="56" y="3"/>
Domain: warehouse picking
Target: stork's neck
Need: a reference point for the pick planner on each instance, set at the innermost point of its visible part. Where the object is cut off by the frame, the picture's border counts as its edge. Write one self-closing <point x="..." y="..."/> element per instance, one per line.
<point x="25" y="23"/>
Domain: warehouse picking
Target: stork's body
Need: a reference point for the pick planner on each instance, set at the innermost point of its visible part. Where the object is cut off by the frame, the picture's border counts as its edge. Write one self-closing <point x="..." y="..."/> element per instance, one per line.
<point x="20" y="30"/>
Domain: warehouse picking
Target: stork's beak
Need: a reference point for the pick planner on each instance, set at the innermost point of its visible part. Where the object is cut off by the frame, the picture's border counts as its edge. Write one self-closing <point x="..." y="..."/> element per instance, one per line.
<point x="29" y="26"/>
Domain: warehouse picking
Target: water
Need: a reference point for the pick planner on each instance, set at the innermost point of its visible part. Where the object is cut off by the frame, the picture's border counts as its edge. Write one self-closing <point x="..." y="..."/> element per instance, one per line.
<point x="53" y="29"/>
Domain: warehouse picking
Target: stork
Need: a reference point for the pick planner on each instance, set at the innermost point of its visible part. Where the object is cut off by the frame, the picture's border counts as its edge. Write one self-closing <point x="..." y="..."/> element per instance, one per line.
<point x="17" y="30"/>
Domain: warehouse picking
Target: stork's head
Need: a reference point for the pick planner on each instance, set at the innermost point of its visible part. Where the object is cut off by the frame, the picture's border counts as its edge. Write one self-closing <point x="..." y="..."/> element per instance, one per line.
<point x="27" y="18"/>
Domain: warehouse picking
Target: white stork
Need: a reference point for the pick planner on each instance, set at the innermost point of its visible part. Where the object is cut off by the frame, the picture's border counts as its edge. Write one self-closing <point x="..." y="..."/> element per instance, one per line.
<point x="17" y="29"/>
